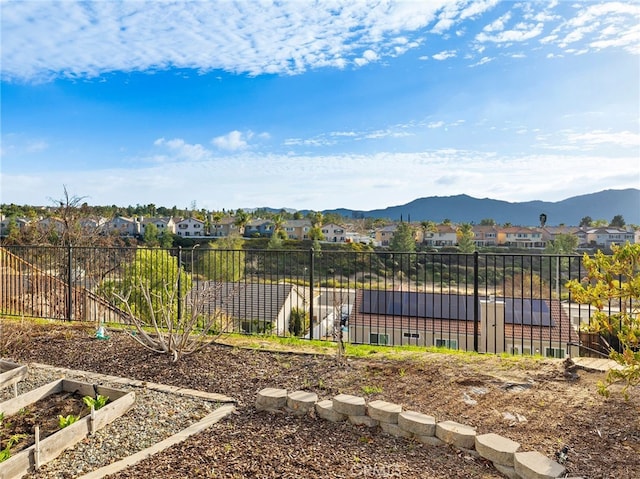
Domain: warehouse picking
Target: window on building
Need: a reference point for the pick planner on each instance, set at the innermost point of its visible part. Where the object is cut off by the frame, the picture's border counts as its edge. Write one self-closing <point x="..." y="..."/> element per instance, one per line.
<point x="554" y="353"/>
<point x="411" y="335"/>
<point x="379" y="338"/>
<point x="447" y="343"/>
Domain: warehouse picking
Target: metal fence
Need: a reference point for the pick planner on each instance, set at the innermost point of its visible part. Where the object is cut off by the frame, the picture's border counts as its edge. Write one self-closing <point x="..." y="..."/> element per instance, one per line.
<point x="513" y="303"/>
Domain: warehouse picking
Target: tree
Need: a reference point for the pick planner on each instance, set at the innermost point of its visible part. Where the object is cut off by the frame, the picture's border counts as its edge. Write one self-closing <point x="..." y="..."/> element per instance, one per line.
<point x="278" y="226"/>
<point x="241" y="220"/>
<point x="586" y="222"/>
<point x="166" y="239"/>
<point x="153" y="273"/>
<point x="403" y="239"/>
<point x="316" y="218"/>
<point x="562" y="244"/>
<point x="487" y="222"/>
<point x="465" y="236"/>
<point x="428" y="227"/>
<point x="224" y="260"/>
<point x="315" y="233"/>
<point x="151" y="236"/>
<point x="617" y="221"/>
<point x="614" y="280"/>
<point x="543" y="220"/>
<point x="599" y="223"/>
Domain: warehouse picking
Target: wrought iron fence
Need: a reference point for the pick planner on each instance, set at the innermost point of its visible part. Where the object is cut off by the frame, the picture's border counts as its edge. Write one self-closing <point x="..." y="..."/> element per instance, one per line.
<point x="512" y="303"/>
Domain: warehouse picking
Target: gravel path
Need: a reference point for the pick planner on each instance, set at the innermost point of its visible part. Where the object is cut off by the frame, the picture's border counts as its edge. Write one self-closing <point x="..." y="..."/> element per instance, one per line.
<point x="155" y="416"/>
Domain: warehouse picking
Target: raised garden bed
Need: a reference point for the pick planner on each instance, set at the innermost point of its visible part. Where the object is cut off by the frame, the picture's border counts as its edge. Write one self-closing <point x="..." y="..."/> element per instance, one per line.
<point x="61" y="397"/>
<point x="11" y="373"/>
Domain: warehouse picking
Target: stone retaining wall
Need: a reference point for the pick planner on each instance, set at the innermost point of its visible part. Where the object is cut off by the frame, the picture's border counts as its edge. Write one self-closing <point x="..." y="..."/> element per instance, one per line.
<point x="504" y="453"/>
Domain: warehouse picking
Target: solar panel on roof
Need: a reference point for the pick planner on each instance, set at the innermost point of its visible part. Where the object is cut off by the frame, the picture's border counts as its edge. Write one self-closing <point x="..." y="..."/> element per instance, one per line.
<point x="417" y="304"/>
<point x="528" y="312"/>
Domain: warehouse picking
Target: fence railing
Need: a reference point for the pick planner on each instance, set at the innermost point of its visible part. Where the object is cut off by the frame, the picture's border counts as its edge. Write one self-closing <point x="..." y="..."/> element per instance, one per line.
<point x="513" y="303"/>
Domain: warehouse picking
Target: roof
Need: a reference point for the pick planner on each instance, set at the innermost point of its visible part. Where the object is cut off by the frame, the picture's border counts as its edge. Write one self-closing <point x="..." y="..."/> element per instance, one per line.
<point x="530" y="318"/>
<point x="247" y="301"/>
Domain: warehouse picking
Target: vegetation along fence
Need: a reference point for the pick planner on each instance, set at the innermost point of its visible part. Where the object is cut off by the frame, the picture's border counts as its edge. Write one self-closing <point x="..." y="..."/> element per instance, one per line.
<point x="513" y="303"/>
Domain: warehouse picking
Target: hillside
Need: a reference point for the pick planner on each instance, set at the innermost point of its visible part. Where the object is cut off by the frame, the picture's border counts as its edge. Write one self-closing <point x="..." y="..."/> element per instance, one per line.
<point x="463" y="208"/>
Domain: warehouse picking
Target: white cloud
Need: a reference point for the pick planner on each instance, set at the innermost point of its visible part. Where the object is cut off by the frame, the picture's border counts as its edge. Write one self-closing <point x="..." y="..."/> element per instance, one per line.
<point x="444" y="55"/>
<point x="599" y="26"/>
<point x="482" y="61"/>
<point x="232" y="141"/>
<point x="599" y="137"/>
<point x="182" y="151"/>
<point x="520" y="33"/>
<point x="498" y="24"/>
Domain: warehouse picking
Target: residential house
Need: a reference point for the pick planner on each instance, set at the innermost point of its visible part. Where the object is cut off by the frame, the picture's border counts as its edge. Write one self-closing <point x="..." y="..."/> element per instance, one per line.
<point x="297" y="229"/>
<point x="190" y="227"/>
<point x="353" y="237"/>
<point x="252" y="307"/>
<point x="334" y="233"/>
<point x="93" y="224"/>
<point x="21" y="223"/>
<point x="331" y="307"/>
<point x="224" y="228"/>
<point x="521" y="237"/>
<point x="384" y="235"/>
<point x="259" y="228"/>
<point x="51" y="224"/>
<point x="163" y="224"/>
<point x="485" y="235"/>
<point x="513" y="325"/>
<point x="606" y="236"/>
<point x="123" y="226"/>
<point x="549" y="233"/>
<point x="445" y="235"/>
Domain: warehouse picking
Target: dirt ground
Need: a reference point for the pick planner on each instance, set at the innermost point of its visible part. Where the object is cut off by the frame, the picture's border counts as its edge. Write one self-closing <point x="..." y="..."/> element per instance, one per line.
<point x="531" y="401"/>
<point x="45" y="413"/>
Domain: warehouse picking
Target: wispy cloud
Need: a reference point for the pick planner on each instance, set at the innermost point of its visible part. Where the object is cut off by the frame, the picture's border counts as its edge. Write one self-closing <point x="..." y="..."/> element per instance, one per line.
<point x="183" y="151"/>
<point x="346" y="180"/>
<point x="444" y="55"/>
<point x="85" y="39"/>
<point x="42" y="41"/>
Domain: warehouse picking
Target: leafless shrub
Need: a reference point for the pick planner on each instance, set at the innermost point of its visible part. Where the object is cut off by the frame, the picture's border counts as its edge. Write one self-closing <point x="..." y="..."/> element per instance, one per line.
<point x="178" y="326"/>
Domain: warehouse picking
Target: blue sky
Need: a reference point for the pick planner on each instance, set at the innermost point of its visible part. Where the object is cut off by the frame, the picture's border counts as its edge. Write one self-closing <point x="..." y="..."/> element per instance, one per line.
<point x="357" y="104"/>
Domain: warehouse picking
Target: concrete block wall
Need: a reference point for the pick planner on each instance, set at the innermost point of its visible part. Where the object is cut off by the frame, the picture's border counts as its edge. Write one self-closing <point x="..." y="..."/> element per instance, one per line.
<point x="504" y="453"/>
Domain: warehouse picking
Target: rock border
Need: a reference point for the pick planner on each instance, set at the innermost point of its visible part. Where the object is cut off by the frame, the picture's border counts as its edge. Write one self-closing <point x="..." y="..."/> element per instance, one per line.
<point x="502" y="452"/>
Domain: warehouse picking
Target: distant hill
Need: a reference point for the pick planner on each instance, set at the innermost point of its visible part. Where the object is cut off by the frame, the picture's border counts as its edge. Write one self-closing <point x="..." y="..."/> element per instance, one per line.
<point x="466" y="209"/>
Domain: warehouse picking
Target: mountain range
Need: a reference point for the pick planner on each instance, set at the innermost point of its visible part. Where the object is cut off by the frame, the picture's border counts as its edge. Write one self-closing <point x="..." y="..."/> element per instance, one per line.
<point x="466" y="209"/>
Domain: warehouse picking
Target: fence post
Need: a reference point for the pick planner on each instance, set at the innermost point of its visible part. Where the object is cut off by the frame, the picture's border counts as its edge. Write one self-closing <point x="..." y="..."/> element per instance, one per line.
<point x="476" y="301"/>
<point x="179" y="283"/>
<point x="311" y="266"/>
<point x="69" y="284"/>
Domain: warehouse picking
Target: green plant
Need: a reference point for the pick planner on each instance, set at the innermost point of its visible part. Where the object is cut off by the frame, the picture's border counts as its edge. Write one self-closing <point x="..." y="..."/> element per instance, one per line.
<point x="371" y="389"/>
<point x="6" y="452"/>
<point x="98" y="402"/>
<point x="298" y="322"/>
<point x="612" y="287"/>
<point x="64" y="421"/>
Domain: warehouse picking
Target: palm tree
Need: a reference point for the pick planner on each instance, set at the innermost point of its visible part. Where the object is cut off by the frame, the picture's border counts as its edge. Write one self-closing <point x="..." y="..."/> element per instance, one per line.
<point x="278" y="225"/>
<point x="241" y="220"/>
